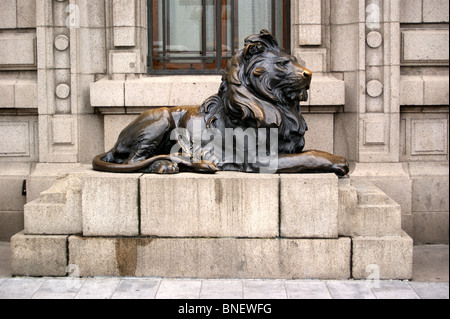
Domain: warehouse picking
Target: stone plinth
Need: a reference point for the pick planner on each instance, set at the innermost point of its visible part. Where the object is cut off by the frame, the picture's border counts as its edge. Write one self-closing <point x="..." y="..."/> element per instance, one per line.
<point x="212" y="258"/>
<point x="227" y="225"/>
<point x="309" y="206"/>
<point x="221" y="205"/>
<point x="110" y="204"/>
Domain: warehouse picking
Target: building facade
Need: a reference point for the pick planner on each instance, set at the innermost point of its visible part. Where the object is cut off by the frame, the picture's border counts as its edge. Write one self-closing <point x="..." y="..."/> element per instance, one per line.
<point x="74" y="73"/>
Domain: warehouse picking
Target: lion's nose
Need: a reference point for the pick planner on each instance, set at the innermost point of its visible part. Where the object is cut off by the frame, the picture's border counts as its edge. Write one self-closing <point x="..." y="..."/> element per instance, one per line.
<point x="307" y="74"/>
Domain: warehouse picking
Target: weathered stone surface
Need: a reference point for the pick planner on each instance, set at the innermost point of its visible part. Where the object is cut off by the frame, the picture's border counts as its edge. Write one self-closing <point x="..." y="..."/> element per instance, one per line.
<point x="226" y="204"/>
<point x="373" y="213"/>
<point x="58" y="210"/>
<point x="110" y="204"/>
<point x="392" y="257"/>
<point x="309" y="206"/>
<point x="38" y="255"/>
<point x="212" y="258"/>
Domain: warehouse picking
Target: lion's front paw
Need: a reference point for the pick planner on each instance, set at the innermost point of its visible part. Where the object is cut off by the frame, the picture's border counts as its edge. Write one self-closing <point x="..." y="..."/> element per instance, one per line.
<point x="205" y="167"/>
<point x="340" y="166"/>
<point x="164" y="167"/>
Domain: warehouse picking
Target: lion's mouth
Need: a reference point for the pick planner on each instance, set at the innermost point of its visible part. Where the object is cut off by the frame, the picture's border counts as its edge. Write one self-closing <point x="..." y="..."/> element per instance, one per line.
<point x="303" y="96"/>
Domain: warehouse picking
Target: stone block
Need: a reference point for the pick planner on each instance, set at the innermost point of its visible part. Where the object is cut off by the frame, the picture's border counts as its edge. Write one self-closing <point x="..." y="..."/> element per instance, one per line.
<point x="411" y="90"/>
<point x="124" y="13"/>
<point x="326" y="90"/>
<point x="113" y="125"/>
<point x="17" y="50"/>
<point x="344" y="12"/>
<point x="315" y="60"/>
<point x="364" y="210"/>
<point x="92" y="51"/>
<point x="426" y="45"/>
<point x="435" y="11"/>
<point x="58" y="210"/>
<point x="124" y="36"/>
<point x="26" y="94"/>
<point x="410" y="11"/>
<point x="310" y="35"/>
<point x="222" y="205"/>
<point x="110" y="204"/>
<point x="436" y="90"/>
<point x="107" y="93"/>
<point x="345" y="39"/>
<point x="431" y="228"/>
<point x="321" y="132"/>
<point x="212" y="258"/>
<point x="38" y="255"/>
<point x="7" y="94"/>
<point x="125" y="62"/>
<point x="8" y="17"/>
<point x="309" y="206"/>
<point x="430" y="193"/>
<point x="26" y="13"/>
<point x="390" y="257"/>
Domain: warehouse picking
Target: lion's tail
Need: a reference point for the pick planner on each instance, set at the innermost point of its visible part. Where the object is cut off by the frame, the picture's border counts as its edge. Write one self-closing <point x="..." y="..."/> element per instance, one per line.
<point x="100" y="165"/>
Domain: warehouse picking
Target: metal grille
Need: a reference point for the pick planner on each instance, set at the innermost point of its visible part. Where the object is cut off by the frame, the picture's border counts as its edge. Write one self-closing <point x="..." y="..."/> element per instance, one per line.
<point x="222" y="22"/>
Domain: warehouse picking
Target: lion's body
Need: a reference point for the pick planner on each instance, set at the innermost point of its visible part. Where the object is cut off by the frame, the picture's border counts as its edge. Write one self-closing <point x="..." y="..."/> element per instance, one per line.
<point x="261" y="89"/>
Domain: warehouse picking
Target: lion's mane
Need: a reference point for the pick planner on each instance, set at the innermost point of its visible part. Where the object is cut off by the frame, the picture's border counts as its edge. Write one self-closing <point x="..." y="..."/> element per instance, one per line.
<point x="248" y="98"/>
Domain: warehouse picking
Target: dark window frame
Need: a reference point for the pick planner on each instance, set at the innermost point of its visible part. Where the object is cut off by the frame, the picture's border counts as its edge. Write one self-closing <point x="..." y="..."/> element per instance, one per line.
<point x="220" y="59"/>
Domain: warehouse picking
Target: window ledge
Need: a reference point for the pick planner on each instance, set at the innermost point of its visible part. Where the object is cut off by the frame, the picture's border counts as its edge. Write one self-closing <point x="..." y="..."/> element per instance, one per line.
<point x="133" y="96"/>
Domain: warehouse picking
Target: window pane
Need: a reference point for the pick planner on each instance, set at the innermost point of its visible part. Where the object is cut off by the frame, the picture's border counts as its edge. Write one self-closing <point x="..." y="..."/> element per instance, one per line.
<point x="184" y="23"/>
<point x="205" y="34"/>
<point x="254" y="15"/>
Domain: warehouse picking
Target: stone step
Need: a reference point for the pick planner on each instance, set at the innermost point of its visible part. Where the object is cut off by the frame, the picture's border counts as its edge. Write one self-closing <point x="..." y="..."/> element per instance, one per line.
<point x="364" y="210"/>
<point x="58" y="210"/>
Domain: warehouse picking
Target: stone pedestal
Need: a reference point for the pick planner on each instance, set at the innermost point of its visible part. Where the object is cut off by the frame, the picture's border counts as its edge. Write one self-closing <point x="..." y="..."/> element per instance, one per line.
<point x="228" y="225"/>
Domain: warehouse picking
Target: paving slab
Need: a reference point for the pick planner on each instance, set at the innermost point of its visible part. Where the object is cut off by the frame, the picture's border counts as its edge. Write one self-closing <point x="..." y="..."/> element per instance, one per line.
<point x="98" y="288"/>
<point x="431" y="263"/>
<point x="59" y="288"/>
<point x="394" y="290"/>
<point x="307" y="290"/>
<point x="264" y="289"/>
<point x="350" y="290"/>
<point x="179" y="289"/>
<point x="431" y="290"/>
<point x="137" y="289"/>
<point x="20" y="288"/>
<point x="222" y="289"/>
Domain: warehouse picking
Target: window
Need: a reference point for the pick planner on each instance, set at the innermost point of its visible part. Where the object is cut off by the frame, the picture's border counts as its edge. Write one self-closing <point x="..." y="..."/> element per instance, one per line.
<point x="200" y="36"/>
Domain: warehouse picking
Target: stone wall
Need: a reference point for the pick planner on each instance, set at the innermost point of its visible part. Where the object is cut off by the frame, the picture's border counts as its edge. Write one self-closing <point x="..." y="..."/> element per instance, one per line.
<point x="73" y="74"/>
<point x="424" y="114"/>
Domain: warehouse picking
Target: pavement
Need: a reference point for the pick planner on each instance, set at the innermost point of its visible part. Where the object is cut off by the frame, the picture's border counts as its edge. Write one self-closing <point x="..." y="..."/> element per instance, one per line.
<point x="430" y="281"/>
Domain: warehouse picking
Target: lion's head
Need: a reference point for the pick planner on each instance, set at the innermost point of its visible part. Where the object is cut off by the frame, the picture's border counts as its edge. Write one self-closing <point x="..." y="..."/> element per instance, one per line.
<point x="262" y="87"/>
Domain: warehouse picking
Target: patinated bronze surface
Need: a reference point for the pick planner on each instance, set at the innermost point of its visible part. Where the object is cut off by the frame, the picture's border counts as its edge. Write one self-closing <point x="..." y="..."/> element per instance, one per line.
<point x="261" y="91"/>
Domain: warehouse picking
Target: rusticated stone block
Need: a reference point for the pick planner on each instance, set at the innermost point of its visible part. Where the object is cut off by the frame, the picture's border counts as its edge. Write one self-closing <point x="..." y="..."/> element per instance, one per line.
<point x="226" y="204"/>
<point x="364" y="210"/>
<point x="388" y="257"/>
<point x="212" y="258"/>
<point x="309" y="206"/>
<point x="38" y="255"/>
<point x="58" y="210"/>
<point x="110" y="204"/>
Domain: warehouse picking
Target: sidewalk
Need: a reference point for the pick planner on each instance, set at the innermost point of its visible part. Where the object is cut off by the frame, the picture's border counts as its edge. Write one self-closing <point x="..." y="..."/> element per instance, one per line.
<point x="431" y="276"/>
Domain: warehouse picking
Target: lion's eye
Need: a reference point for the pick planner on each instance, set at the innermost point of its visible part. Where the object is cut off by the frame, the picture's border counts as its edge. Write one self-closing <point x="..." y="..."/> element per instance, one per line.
<point x="283" y="63"/>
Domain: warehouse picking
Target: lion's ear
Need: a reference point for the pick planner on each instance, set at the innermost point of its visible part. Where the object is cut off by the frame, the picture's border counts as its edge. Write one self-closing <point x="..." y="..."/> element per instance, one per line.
<point x="252" y="49"/>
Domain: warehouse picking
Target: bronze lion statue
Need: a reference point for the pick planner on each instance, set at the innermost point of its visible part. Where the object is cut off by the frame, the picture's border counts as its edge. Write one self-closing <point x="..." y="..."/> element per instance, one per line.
<point x="261" y="91"/>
